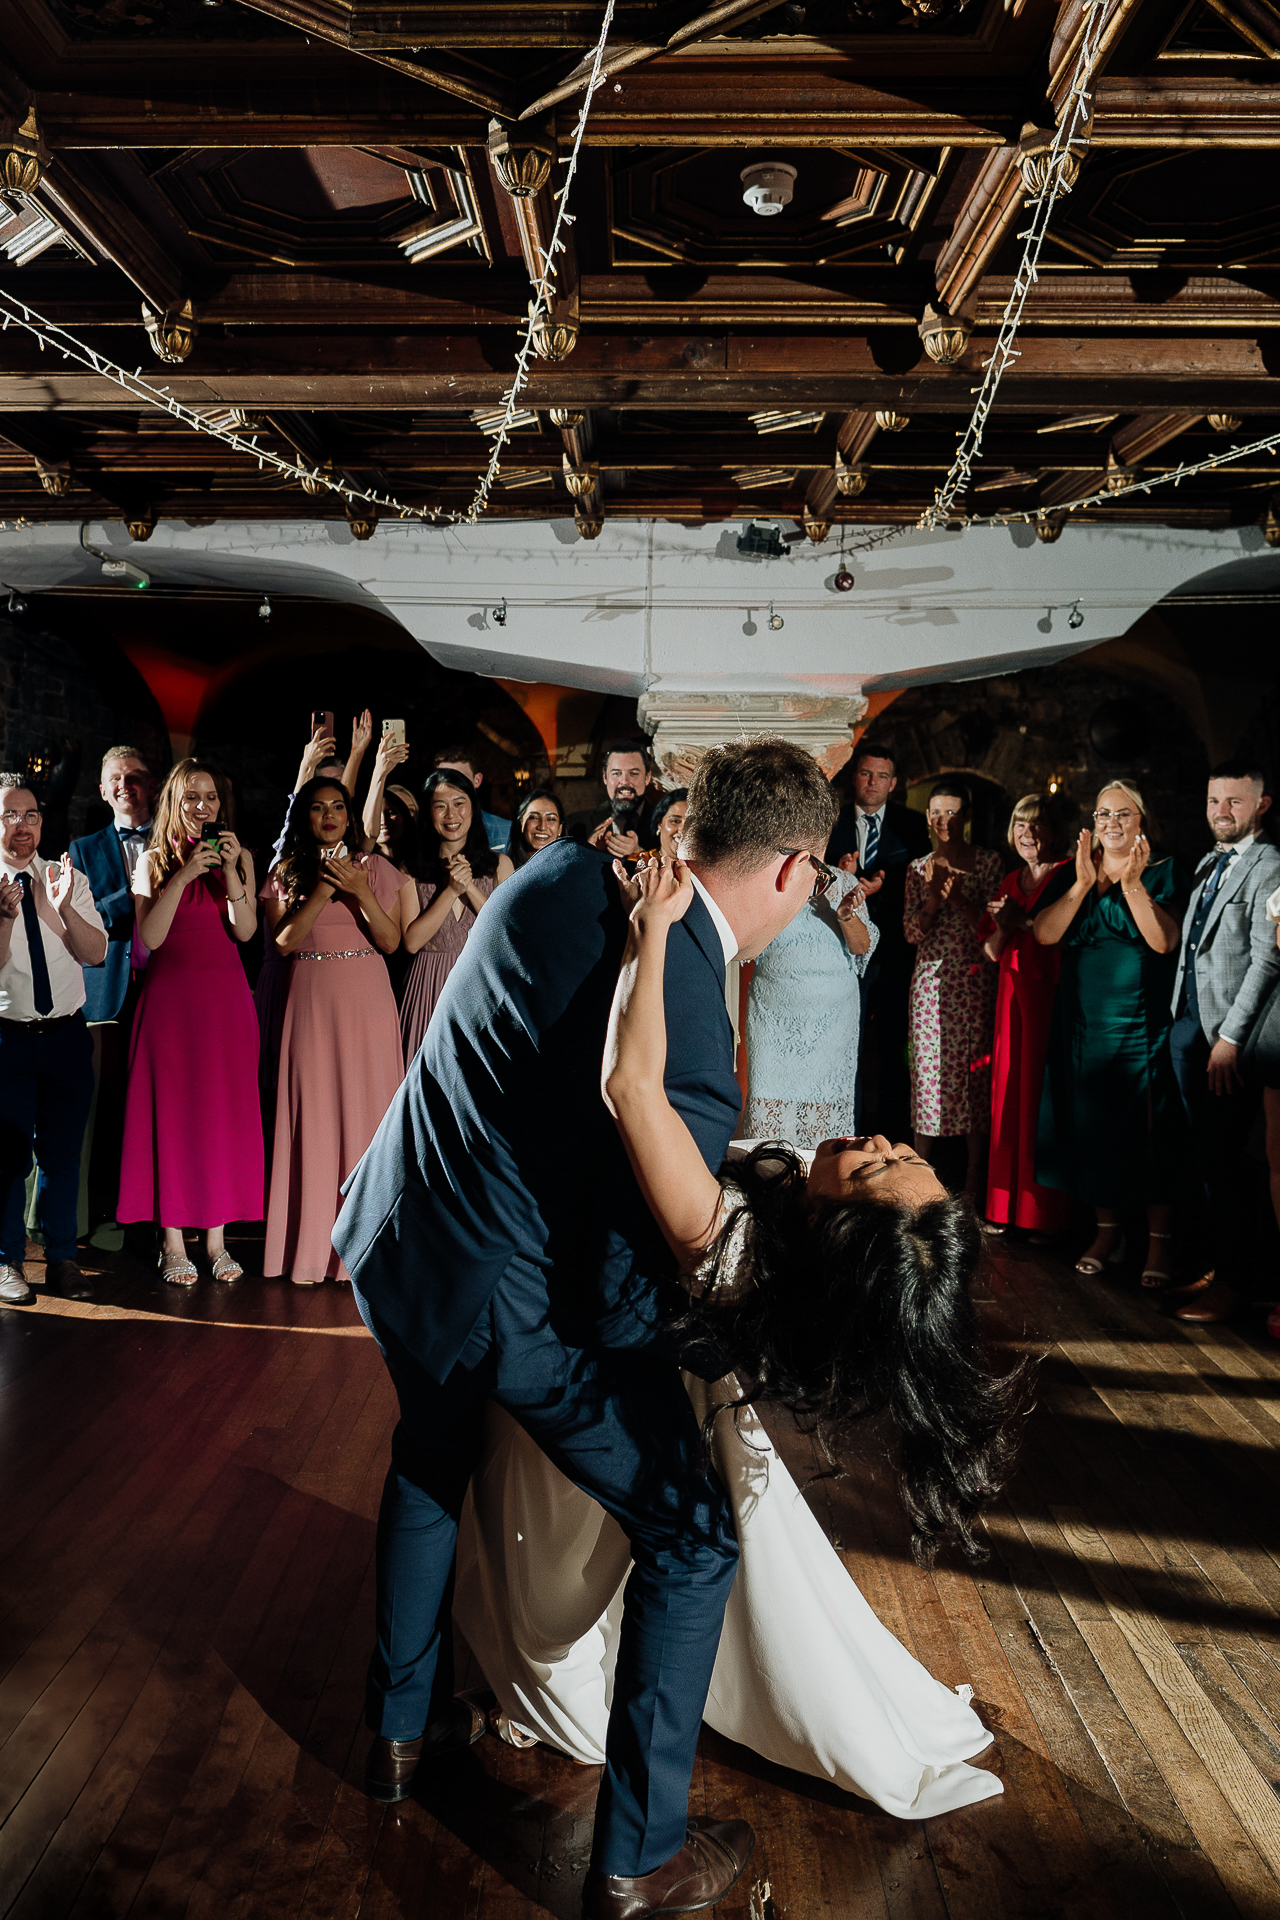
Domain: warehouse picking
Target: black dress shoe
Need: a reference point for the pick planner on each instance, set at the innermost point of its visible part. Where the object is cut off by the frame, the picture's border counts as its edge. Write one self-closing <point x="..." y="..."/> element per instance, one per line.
<point x="389" y="1771"/>
<point x="65" y="1278"/>
<point x="713" y="1855"/>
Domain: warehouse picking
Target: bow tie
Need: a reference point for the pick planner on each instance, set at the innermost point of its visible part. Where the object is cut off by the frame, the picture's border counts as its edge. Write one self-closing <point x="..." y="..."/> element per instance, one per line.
<point x="133" y="833"/>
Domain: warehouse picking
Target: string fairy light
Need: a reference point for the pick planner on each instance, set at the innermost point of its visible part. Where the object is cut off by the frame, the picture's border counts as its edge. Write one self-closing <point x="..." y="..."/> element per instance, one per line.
<point x="1072" y="132"/>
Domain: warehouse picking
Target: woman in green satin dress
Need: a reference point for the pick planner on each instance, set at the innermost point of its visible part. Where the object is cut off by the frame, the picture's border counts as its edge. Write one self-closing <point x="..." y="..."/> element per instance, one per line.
<point x="1112" y="1129"/>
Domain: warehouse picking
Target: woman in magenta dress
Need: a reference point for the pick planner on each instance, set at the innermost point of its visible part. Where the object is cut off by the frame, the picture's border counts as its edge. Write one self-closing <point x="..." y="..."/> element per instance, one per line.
<point x="459" y="873"/>
<point x="1028" y="981"/>
<point x="192" y="1133"/>
<point x="334" y="915"/>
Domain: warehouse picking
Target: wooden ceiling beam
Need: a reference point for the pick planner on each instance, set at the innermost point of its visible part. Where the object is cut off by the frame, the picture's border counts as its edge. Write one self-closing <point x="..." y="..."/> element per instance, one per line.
<point x="621" y="55"/>
<point x="77" y="194"/>
<point x="1130" y="447"/>
<point x="335" y="23"/>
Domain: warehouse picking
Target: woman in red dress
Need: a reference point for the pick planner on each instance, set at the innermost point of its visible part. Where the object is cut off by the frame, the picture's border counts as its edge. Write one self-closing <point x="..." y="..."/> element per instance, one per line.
<point x="1027" y="983"/>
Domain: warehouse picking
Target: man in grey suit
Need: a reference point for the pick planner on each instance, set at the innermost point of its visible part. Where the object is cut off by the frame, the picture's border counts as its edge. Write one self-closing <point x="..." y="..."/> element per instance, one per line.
<point x="1227" y="969"/>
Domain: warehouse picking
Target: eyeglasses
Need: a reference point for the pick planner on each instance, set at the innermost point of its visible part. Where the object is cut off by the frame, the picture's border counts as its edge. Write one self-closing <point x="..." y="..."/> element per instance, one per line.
<point x="1103" y="814"/>
<point x="29" y="819"/>
<point x="826" y="876"/>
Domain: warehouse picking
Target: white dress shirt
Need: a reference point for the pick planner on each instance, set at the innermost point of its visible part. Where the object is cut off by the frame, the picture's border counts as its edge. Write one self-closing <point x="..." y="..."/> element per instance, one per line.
<point x="66" y="975"/>
<point x="863" y="821"/>
<point x="728" y="938"/>
<point x="133" y="848"/>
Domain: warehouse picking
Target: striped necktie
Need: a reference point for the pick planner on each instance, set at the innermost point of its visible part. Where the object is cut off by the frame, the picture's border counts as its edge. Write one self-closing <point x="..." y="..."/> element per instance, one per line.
<point x="872" y="847"/>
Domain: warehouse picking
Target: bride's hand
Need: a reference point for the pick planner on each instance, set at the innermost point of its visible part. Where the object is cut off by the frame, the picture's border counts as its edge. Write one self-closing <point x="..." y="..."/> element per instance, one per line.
<point x="658" y="893"/>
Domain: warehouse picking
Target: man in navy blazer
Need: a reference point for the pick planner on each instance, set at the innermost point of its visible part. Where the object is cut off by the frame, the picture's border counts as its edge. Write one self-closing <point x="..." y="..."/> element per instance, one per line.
<point x="108" y="860"/>
<point x="500" y="1248"/>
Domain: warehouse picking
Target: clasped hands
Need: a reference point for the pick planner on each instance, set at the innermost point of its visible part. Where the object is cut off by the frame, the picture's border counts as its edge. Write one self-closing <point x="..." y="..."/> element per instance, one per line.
<point x="658" y="892"/>
<point x="58" y="881"/>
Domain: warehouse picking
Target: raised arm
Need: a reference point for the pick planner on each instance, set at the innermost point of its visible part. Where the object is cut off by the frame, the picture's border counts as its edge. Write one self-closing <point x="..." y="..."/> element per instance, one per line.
<point x="388" y="757"/>
<point x="1053" y="923"/>
<point x="683" y="1196"/>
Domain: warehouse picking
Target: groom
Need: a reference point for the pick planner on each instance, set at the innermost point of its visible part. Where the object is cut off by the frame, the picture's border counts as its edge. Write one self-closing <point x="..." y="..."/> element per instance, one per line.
<point x="500" y="1249"/>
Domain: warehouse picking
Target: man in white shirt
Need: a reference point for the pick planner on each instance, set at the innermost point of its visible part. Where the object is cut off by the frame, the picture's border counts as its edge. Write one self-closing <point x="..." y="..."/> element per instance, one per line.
<point x="50" y="931"/>
<point x="1227" y="972"/>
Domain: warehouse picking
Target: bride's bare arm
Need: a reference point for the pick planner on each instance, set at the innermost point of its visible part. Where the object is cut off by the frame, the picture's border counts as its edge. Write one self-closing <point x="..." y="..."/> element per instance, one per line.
<point x="682" y="1194"/>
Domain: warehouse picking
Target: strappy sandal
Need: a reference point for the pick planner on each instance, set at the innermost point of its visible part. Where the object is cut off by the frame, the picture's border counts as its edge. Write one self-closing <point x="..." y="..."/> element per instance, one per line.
<point x="1153" y="1277"/>
<point x="177" y="1269"/>
<point x="227" y="1268"/>
<point x="1089" y="1262"/>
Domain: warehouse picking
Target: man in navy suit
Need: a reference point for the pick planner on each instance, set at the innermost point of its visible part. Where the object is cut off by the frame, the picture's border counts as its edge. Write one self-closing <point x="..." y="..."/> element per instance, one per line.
<point x="499" y="1253"/>
<point x="882" y="838"/>
<point x="108" y="860"/>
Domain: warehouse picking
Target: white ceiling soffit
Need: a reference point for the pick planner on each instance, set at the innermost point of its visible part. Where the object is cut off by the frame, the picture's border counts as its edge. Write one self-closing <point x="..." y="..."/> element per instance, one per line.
<point x="656" y="606"/>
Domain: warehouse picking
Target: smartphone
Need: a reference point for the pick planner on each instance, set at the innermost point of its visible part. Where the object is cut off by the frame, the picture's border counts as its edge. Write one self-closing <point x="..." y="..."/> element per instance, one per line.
<point x="211" y="831"/>
<point x="394" y="729"/>
<point x="321" y="725"/>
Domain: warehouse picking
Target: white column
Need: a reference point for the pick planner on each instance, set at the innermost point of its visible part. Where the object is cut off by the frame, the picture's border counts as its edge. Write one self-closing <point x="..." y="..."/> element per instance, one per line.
<point x="684" y="725"/>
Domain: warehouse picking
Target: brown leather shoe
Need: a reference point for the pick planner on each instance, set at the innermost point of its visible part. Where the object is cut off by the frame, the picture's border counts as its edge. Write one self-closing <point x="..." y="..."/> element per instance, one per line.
<point x="389" y="1771"/>
<point x="713" y="1855"/>
<point x="65" y="1278"/>
<point x="1218" y="1302"/>
<point x="1191" y="1287"/>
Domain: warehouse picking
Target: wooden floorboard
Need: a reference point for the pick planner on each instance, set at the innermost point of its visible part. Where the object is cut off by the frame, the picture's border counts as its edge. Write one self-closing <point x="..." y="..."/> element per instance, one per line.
<point x="186" y="1592"/>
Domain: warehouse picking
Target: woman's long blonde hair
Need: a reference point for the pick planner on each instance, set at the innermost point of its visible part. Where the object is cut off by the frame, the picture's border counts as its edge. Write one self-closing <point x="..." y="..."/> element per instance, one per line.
<point x="167" y="847"/>
<point x="1126" y="787"/>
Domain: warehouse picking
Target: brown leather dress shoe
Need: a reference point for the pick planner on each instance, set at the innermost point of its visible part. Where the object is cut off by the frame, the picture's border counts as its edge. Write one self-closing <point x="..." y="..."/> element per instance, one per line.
<point x="389" y="1771"/>
<point x="65" y="1278"/>
<point x="712" y="1857"/>
<point x="1218" y="1302"/>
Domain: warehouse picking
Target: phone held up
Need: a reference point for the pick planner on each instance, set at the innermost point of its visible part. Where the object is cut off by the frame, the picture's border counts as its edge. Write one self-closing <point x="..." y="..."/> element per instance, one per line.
<point x="321" y="724"/>
<point x="393" y="730"/>
<point x="212" y="832"/>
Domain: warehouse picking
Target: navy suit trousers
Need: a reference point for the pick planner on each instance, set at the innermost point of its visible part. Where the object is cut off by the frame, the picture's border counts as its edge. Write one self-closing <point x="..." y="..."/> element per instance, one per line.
<point x="618" y="1423"/>
<point x="46" y="1085"/>
<point x="1236" y="1207"/>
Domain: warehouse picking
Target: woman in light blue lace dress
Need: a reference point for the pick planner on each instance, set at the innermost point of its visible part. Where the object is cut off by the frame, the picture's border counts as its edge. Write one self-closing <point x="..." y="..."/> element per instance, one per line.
<point x="802" y="1021"/>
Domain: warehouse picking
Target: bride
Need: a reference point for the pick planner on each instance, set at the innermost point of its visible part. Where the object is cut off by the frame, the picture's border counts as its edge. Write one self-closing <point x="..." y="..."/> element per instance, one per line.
<point x="839" y="1290"/>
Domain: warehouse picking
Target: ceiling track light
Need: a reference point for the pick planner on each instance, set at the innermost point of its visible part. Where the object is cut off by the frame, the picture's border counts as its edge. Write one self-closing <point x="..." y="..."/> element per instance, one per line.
<point x="776" y="621"/>
<point x="264" y="608"/>
<point x="498" y="614"/>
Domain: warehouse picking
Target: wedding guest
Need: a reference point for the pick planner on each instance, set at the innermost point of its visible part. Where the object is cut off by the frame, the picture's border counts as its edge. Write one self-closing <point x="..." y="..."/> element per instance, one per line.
<point x="1264" y="1065"/>
<point x="620" y="826"/>
<point x="1028" y="979"/>
<point x="458" y="874"/>
<point x="666" y="822"/>
<point x="1227" y="971"/>
<point x="391" y="754"/>
<point x="320" y="755"/>
<point x="802" y="1018"/>
<point x="953" y="985"/>
<point x="192" y="1136"/>
<point x="539" y="823"/>
<point x="332" y="913"/>
<point x="877" y="838"/>
<point x="50" y="931"/>
<point x="462" y="759"/>
<point x="109" y="860"/>
<point x="1112" y="1131"/>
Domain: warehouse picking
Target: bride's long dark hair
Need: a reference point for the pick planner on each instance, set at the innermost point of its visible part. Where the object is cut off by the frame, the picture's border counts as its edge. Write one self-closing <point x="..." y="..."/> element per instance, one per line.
<point x="864" y="1307"/>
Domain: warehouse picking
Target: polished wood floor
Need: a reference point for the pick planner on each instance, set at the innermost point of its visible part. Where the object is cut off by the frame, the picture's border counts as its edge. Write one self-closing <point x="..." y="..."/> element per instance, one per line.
<point x="186" y="1533"/>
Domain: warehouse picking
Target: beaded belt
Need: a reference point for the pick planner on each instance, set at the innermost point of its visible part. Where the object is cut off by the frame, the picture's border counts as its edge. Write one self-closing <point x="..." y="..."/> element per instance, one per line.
<point x="350" y="953"/>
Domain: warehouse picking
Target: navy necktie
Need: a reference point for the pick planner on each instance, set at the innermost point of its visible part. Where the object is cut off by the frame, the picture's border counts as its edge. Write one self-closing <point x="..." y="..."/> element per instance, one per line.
<point x="41" y="987"/>
<point x="872" y="847"/>
<point x="1190" y="990"/>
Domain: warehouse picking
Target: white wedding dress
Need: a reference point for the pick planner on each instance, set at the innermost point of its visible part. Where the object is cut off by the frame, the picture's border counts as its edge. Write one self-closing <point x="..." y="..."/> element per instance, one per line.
<point x="806" y="1675"/>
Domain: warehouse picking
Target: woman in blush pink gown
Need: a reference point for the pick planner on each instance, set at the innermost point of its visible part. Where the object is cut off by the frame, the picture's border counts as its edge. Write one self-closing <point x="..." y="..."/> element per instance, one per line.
<point x="192" y="1133"/>
<point x="334" y="915"/>
<point x="458" y="874"/>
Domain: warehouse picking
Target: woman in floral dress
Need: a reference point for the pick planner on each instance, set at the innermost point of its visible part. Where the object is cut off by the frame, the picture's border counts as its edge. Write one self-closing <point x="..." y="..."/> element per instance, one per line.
<point x="953" y="986"/>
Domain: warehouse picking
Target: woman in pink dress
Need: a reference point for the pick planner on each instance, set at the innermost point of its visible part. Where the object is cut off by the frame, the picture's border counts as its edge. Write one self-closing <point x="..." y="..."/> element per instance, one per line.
<point x="333" y="915"/>
<point x="953" y="986"/>
<point x="1024" y="1007"/>
<point x="459" y="873"/>
<point x="192" y="1133"/>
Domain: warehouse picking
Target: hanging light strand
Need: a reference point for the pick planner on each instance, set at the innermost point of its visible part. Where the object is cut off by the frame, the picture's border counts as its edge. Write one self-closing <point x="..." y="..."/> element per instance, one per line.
<point x="544" y="290"/>
<point x="1072" y="133"/>
<point x="1167" y="477"/>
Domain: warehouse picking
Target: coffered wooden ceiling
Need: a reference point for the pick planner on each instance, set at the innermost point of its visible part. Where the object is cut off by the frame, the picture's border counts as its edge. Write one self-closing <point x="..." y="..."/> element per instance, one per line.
<point x="313" y="200"/>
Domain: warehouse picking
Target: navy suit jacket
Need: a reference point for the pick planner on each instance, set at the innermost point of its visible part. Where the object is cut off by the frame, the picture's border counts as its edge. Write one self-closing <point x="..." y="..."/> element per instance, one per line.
<point x="498" y="1146"/>
<point x="100" y="857"/>
<point x="904" y="837"/>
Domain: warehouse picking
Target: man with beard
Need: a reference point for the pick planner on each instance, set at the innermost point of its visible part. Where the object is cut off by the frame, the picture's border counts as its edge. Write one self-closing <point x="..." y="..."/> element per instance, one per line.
<point x="619" y="826"/>
<point x="1227" y="970"/>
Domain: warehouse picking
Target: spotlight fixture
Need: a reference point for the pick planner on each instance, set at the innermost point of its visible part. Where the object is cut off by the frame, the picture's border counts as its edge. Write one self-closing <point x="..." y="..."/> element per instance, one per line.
<point x="762" y="537"/>
<point x="499" y="614"/>
<point x="1075" y="618"/>
<point x="843" y="581"/>
<point x="767" y="186"/>
<point x="17" y="602"/>
<point x="264" y="609"/>
<point x="776" y="622"/>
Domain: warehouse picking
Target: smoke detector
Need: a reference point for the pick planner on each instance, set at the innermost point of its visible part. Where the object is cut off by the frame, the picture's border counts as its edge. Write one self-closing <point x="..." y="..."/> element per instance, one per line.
<point x="767" y="186"/>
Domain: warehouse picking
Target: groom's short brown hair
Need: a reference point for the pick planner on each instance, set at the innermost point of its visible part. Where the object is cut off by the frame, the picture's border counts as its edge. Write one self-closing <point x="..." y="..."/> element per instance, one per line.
<point x="750" y="798"/>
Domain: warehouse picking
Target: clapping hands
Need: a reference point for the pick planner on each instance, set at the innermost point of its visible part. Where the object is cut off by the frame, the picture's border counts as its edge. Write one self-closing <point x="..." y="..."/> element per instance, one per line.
<point x="59" y="881"/>
<point x="658" y="893"/>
